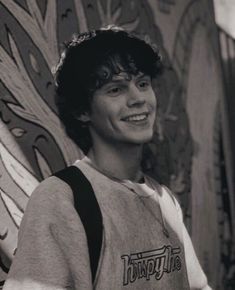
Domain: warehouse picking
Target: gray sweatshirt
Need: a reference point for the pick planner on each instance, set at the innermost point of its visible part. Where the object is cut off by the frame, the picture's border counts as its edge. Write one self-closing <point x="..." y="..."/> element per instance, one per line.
<point x="145" y="243"/>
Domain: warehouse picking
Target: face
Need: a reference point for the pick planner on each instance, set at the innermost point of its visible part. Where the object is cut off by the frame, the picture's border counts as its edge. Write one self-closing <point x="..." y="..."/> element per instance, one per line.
<point x="123" y="110"/>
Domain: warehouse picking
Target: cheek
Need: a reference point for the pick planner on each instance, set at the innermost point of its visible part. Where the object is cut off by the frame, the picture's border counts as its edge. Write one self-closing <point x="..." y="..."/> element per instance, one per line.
<point x="97" y="109"/>
<point x="153" y="101"/>
<point x="101" y="114"/>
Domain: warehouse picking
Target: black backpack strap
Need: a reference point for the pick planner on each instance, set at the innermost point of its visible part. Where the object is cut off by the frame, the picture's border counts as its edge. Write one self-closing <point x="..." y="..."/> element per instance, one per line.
<point x="88" y="209"/>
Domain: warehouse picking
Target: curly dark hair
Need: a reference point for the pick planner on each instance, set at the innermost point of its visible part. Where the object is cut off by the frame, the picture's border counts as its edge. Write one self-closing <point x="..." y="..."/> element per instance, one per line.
<point x="88" y="62"/>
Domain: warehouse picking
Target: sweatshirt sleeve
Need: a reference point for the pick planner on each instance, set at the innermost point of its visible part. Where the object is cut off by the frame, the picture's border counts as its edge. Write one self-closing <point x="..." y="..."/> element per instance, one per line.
<point x="196" y="276"/>
<point x="51" y="241"/>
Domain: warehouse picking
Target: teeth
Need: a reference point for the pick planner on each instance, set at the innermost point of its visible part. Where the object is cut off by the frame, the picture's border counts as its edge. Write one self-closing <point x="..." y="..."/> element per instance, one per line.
<point x="136" y="118"/>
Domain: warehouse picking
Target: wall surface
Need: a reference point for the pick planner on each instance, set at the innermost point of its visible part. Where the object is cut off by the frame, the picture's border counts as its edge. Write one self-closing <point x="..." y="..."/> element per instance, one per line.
<point x="188" y="142"/>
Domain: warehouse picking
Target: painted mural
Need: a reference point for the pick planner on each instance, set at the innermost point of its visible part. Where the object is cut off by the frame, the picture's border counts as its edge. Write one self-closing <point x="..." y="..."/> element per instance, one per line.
<point x="187" y="147"/>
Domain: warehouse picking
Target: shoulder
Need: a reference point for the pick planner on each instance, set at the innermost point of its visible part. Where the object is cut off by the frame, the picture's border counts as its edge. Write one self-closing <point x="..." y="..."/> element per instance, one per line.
<point x="166" y="195"/>
<point x="51" y="199"/>
<point x="162" y="190"/>
<point x="51" y="205"/>
<point x="52" y="189"/>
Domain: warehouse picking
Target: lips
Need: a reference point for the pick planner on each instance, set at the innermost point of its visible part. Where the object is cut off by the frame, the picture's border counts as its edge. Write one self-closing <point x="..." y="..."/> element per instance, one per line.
<point x="136" y="117"/>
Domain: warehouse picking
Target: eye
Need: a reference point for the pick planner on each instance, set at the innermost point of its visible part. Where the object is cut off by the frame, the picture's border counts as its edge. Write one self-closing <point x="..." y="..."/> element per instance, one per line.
<point x="113" y="91"/>
<point x="144" y="84"/>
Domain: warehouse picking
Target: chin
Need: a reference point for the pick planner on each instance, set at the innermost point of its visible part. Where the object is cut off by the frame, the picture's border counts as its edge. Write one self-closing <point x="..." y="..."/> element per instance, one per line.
<point x="142" y="139"/>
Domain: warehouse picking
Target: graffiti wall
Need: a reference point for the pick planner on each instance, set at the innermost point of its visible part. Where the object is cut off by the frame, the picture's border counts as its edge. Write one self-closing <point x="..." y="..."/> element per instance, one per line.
<point x="187" y="146"/>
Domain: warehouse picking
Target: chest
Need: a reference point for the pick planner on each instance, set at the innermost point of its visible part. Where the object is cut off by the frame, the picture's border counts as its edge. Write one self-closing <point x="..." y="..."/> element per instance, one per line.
<point x="136" y="250"/>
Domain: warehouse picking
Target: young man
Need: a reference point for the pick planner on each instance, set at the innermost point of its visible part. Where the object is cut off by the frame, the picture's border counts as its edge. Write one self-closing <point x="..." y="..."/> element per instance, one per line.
<point x="108" y="106"/>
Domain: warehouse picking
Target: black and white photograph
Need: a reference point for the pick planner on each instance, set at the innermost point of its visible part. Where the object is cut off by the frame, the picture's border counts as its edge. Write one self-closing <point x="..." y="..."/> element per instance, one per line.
<point x="117" y="144"/>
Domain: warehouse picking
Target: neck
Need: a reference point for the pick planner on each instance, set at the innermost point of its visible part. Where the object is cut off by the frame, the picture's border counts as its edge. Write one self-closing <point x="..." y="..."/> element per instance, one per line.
<point x="122" y="162"/>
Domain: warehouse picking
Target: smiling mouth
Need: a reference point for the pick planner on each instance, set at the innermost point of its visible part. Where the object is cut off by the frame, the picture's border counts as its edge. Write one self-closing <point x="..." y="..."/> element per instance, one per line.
<point x="136" y="118"/>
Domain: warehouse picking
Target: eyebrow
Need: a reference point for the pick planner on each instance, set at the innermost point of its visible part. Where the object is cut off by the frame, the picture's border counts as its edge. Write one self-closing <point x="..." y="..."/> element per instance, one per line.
<point x="120" y="78"/>
<point x="142" y="75"/>
<point x="117" y="81"/>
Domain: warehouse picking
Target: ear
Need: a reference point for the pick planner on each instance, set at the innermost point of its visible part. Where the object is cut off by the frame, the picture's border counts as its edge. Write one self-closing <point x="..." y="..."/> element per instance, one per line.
<point x="84" y="117"/>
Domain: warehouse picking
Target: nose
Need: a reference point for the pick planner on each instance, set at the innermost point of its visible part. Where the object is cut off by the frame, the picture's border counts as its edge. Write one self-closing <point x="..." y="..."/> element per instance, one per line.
<point x="135" y="97"/>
